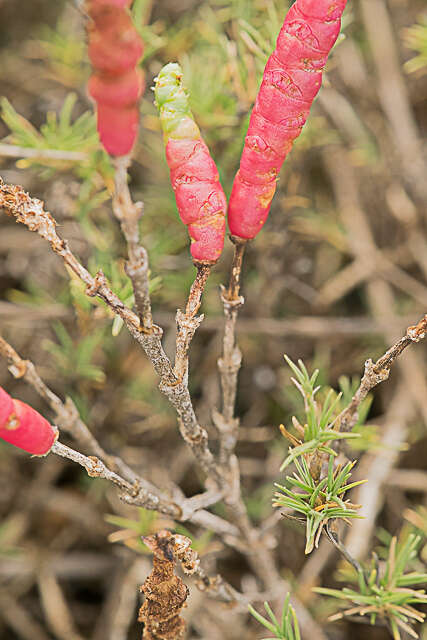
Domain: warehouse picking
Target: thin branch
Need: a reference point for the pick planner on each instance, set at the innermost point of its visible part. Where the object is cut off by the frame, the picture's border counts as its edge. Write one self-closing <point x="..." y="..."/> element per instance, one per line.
<point x="66" y="413"/>
<point x="334" y="538"/>
<point x="236" y="268"/>
<point x="259" y="556"/>
<point x="188" y="322"/>
<point x="379" y="372"/>
<point x="68" y="419"/>
<point x="230" y="361"/>
<point x="197" y="288"/>
<point x="13" y="151"/>
<point x="129" y="213"/>
<point x="97" y="469"/>
<point x="29" y="211"/>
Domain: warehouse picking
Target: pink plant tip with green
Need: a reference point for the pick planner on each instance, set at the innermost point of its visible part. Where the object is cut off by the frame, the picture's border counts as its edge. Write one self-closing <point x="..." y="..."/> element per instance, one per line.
<point x="198" y="193"/>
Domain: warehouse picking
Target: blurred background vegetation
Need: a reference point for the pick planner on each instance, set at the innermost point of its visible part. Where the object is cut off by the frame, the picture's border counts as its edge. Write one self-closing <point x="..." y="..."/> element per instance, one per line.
<point x="337" y="274"/>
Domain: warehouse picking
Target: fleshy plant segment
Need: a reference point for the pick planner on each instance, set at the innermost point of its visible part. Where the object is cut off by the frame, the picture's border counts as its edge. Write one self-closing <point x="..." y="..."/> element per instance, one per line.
<point x="199" y="196"/>
<point x="116" y="84"/>
<point x="24" y="427"/>
<point x="292" y="79"/>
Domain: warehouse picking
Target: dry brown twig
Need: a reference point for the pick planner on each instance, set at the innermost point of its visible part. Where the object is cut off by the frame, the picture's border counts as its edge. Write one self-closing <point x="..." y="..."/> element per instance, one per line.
<point x="260" y="557"/>
<point x="165" y="593"/>
<point x="135" y="488"/>
<point x="30" y="212"/>
<point x="230" y="361"/>
<point x="378" y="372"/>
<point x="129" y="213"/>
<point x="188" y="322"/>
<point x="225" y="480"/>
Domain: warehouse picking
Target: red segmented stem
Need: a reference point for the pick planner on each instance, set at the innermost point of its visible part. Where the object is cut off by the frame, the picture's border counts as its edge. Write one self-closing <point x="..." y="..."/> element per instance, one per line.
<point x="291" y="81"/>
<point x="198" y="193"/>
<point x="24" y="427"/>
<point x="116" y="85"/>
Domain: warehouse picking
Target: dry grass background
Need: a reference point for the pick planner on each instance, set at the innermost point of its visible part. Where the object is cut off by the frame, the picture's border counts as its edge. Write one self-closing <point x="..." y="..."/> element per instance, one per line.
<point x="336" y="276"/>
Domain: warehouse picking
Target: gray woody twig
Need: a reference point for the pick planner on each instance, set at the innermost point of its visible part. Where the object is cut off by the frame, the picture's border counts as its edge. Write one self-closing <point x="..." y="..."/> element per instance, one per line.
<point x="231" y="359"/>
<point x="128" y="213"/>
<point x="67" y="416"/>
<point x="29" y="211"/>
<point x="135" y="488"/>
<point x="379" y="372"/>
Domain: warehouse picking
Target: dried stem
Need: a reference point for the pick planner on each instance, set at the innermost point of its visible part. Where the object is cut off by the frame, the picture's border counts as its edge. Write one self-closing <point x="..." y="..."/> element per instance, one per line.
<point x="129" y="213"/>
<point x="334" y="538"/>
<point x="230" y="361"/>
<point x="135" y="487"/>
<point x="260" y="558"/>
<point x="66" y="414"/>
<point x="196" y="291"/>
<point x="165" y="593"/>
<point x="236" y="268"/>
<point x="14" y="151"/>
<point x="379" y="372"/>
<point x="29" y="211"/>
<point x="188" y="322"/>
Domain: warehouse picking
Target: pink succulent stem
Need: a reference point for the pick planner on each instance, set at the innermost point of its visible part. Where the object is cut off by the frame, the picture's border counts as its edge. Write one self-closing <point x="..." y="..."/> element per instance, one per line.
<point x="291" y="81"/>
<point x="194" y="177"/>
<point x="24" y="427"/>
<point x="116" y="84"/>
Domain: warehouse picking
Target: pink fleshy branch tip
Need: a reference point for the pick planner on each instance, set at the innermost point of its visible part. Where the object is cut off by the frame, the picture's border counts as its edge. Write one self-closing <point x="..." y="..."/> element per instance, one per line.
<point x="24" y="427"/>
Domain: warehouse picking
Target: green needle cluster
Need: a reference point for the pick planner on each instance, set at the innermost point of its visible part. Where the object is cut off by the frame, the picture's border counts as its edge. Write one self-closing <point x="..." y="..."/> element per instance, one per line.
<point x="286" y="629"/>
<point x="318" y="501"/>
<point x="319" y="430"/>
<point x="386" y="594"/>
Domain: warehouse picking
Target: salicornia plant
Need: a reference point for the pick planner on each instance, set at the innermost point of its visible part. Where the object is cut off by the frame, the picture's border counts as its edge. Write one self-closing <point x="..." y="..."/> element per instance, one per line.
<point x="386" y="593"/>
<point x="199" y="195"/>
<point x="117" y="83"/>
<point x="286" y="629"/>
<point x="318" y="472"/>
<point x="291" y="81"/>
